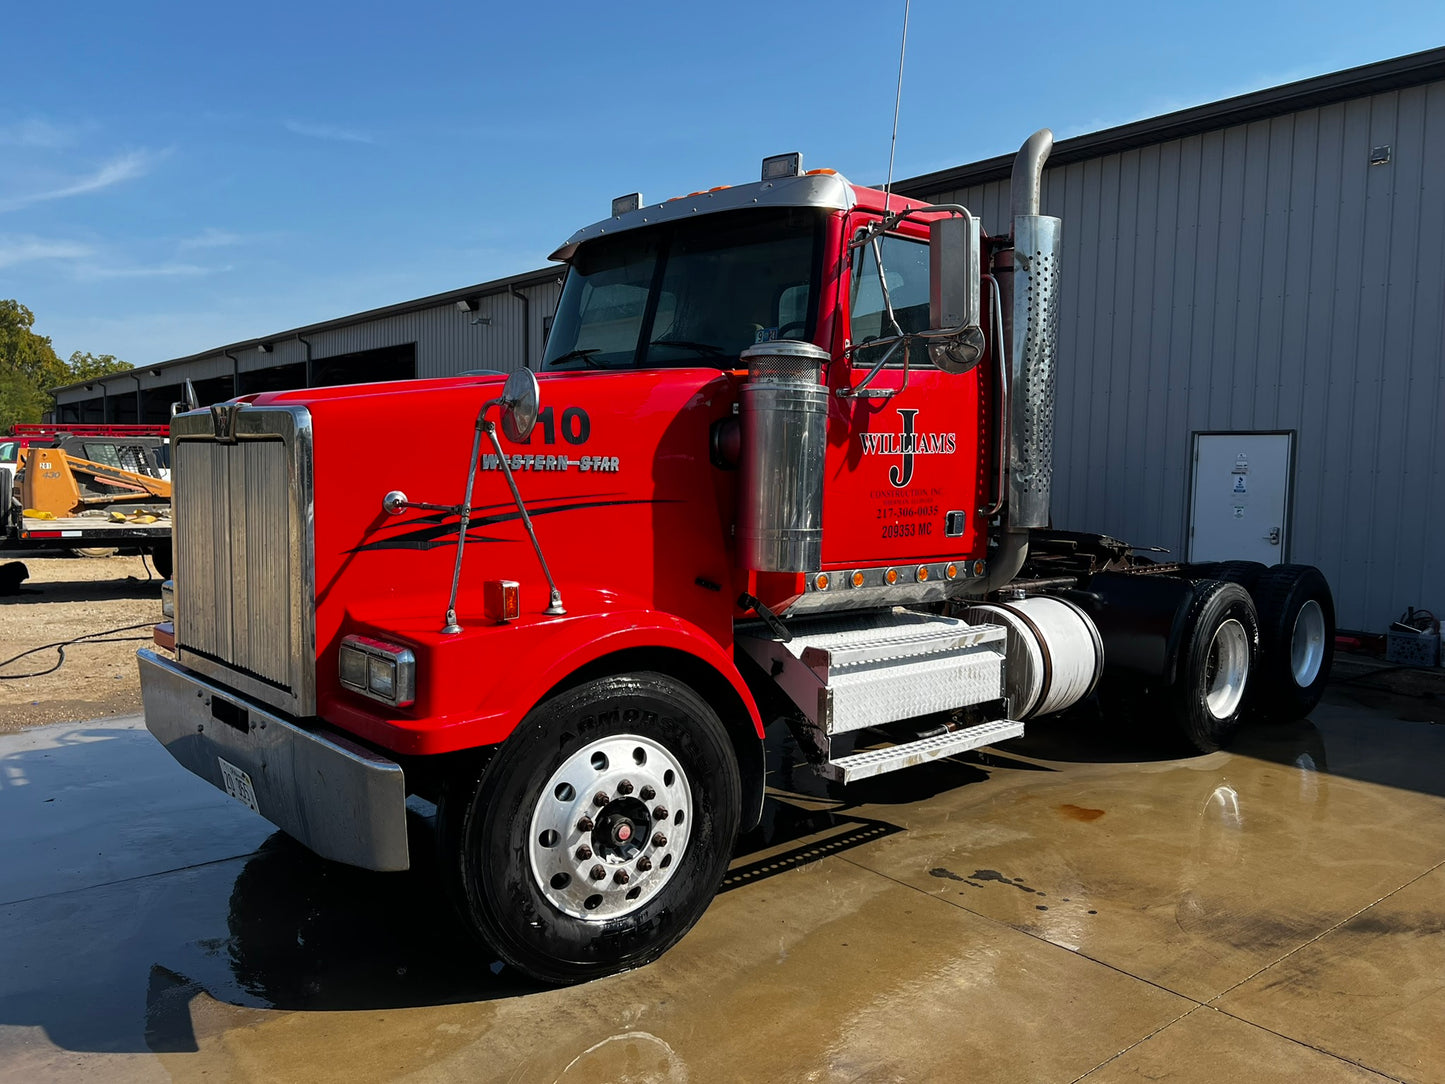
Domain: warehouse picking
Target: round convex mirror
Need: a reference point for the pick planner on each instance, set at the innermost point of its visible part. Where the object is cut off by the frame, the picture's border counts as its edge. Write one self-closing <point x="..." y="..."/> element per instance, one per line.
<point x="520" y="396"/>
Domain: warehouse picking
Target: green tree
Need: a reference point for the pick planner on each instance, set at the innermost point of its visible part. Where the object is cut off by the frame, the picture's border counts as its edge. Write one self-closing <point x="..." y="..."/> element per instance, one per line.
<point x="28" y="365"/>
<point x="84" y="365"/>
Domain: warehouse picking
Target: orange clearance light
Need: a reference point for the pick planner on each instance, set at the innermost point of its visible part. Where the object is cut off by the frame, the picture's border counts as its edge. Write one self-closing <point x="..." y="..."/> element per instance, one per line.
<point x="820" y="581"/>
<point x="951" y="571"/>
<point x="978" y="568"/>
<point x="502" y="600"/>
<point x="891" y="576"/>
<point x="857" y="579"/>
<point x="822" y="173"/>
<point x="922" y="573"/>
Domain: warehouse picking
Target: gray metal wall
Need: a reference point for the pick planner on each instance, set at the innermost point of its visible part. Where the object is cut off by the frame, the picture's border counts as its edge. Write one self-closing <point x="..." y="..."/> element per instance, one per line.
<point x="1263" y="276"/>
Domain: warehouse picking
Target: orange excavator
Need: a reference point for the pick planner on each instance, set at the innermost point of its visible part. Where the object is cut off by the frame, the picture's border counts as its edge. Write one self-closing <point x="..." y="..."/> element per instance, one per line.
<point x="56" y="482"/>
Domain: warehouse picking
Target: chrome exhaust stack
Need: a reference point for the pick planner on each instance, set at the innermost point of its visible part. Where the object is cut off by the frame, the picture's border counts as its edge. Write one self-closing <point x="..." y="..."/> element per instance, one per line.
<point x="1028" y="279"/>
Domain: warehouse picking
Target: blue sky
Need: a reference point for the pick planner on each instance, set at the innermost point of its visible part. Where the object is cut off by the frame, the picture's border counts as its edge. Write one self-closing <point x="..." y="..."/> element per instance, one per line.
<point x="178" y="176"/>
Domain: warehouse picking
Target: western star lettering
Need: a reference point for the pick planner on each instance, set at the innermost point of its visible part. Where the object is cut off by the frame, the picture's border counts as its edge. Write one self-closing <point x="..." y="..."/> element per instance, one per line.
<point x="907" y="444"/>
<point x="582" y="463"/>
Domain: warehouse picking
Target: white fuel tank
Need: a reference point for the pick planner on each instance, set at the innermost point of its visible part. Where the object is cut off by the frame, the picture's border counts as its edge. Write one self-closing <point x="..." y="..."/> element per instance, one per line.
<point x="1055" y="655"/>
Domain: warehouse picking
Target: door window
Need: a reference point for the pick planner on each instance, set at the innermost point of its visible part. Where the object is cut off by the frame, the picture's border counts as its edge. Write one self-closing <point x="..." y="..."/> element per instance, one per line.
<point x="905" y="268"/>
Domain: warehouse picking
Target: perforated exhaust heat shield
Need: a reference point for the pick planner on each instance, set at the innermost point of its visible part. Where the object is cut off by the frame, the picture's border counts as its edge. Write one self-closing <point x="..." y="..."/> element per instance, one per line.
<point x="1037" y="240"/>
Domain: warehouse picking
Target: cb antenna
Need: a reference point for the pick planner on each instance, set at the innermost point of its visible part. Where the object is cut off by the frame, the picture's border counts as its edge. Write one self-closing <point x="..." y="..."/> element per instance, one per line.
<point x="897" y="100"/>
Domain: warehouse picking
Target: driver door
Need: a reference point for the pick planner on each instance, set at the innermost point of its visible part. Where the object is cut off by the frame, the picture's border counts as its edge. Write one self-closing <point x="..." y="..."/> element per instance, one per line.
<point x="904" y="483"/>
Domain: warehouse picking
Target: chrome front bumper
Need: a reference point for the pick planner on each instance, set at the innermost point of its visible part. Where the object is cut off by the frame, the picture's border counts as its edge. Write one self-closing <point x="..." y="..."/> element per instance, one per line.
<point x="344" y="802"/>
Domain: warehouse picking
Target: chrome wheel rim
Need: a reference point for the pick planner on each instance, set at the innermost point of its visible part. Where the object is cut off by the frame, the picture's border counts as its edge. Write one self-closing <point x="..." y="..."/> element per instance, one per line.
<point x="610" y="828"/>
<point x="1227" y="669"/>
<point x="1307" y="644"/>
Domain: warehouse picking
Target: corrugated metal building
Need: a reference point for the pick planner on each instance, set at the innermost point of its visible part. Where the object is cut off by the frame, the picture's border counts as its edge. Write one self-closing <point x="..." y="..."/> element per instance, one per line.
<point x="1273" y="263"/>
<point x="493" y="325"/>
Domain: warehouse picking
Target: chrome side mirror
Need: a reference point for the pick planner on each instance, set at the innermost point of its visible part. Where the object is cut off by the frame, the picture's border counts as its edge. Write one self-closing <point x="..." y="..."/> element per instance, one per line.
<point x="954" y="290"/>
<point x="520" y="401"/>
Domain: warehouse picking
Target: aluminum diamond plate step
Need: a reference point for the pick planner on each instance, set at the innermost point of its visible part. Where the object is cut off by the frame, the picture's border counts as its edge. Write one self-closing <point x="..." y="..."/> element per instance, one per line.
<point x="854" y="671"/>
<point x="850" y="769"/>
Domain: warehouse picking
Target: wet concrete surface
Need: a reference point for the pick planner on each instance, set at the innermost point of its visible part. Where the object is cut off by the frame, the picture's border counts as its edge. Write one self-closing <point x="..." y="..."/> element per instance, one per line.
<point x="1072" y="905"/>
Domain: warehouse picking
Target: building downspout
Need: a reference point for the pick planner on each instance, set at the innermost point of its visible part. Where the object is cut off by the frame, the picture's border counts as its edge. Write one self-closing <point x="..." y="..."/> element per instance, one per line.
<point x="310" y="376"/>
<point x="526" y="326"/>
<point x="139" y="406"/>
<point x="235" y="373"/>
<point x="1025" y="187"/>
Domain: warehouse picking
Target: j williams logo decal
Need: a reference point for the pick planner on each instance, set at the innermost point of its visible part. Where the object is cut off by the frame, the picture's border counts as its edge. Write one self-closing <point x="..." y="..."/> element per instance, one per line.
<point x="907" y="444"/>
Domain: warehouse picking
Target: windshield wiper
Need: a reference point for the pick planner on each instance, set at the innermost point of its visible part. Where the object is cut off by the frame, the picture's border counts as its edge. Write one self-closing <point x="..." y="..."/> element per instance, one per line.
<point x="707" y="350"/>
<point x="582" y="353"/>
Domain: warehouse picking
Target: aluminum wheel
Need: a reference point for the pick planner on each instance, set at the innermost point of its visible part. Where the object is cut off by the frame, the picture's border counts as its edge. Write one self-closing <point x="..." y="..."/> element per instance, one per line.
<point x="1228" y="669"/>
<point x="610" y="828"/>
<point x="1307" y="644"/>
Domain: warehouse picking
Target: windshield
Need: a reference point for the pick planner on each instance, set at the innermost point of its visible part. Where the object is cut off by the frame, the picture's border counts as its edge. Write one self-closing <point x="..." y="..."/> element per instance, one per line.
<point x="9" y="451"/>
<point x="697" y="292"/>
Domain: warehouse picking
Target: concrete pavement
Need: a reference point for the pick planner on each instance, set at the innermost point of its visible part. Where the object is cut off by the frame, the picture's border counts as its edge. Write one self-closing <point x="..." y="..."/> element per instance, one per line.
<point x="1069" y="906"/>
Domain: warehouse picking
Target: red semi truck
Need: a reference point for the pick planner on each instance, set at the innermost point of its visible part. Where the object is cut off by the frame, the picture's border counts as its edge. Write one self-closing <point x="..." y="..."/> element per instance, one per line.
<point x="788" y="455"/>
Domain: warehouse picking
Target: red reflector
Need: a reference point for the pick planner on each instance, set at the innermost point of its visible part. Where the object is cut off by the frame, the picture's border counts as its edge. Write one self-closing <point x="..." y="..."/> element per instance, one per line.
<point x="164" y="635"/>
<point x="42" y="534"/>
<point x="502" y="600"/>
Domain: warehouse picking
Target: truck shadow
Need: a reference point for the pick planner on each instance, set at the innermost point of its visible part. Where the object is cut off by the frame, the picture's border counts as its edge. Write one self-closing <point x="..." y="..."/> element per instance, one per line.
<point x="84" y="591"/>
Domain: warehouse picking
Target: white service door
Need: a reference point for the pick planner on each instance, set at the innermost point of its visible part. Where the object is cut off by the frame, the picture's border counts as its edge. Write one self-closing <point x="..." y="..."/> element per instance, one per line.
<point x="1240" y="497"/>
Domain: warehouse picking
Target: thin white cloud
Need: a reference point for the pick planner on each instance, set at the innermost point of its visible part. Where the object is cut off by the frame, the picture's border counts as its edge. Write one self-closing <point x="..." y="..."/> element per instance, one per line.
<point x="165" y="270"/>
<point x="210" y="237"/>
<point x="35" y="132"/>
<point x="18" y="250"/>
<point x="126" y="167"/>
<point x="328" y="131"/>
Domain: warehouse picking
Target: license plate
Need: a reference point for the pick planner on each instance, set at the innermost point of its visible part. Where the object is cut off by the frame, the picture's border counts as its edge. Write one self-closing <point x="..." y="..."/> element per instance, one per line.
<point x="238" y="785"/>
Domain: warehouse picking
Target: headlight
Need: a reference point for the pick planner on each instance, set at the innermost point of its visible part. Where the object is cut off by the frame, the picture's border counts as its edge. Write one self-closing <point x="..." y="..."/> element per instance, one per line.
<point x="168" y="598"/>
<point x="375" y="668"/>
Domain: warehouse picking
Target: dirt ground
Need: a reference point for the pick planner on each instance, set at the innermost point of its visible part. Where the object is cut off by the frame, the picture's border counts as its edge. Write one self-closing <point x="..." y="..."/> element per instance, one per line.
<point x="64" y="598"/>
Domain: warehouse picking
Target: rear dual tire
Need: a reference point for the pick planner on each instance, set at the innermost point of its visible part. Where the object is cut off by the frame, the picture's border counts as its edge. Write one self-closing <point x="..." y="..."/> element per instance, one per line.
<point x="1297" y="627"/>
<point x="1215" y="664"/>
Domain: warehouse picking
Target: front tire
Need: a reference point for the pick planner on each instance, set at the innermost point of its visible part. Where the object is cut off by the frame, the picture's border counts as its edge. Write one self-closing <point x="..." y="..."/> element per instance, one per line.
<point x="1215" y="663"/>
<point x="631" y="777"/>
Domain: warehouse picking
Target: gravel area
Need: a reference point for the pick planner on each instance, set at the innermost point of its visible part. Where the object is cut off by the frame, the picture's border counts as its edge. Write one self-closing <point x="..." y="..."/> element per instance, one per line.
<point x="64" y="598"/>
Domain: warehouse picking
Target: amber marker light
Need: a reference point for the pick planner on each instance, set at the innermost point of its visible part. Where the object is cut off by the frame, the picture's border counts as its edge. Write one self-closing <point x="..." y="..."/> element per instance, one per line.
<point x="951" y="571"/>
<point x="891" y="576"/>
<point x="978" y="568"/>
<point x="820" y="581"/>
<point x="922" y="573"/>
<point x="857" y="579"/>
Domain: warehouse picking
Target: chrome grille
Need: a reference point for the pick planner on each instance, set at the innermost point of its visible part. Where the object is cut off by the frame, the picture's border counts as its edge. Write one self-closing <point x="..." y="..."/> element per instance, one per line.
<point x="244" y="602"/>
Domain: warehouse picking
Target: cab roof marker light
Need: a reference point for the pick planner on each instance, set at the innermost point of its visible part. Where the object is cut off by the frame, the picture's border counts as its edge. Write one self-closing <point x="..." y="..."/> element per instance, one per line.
<point x="623" y="204"/>
<point x="781" y="166"/>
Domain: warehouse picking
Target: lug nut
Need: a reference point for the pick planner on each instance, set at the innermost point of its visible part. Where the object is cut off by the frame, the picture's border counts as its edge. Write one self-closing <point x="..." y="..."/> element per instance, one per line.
<point x="621" y="877"/>
<point x="597" y="873"/>
<point x="585" y="825"/>
<point x="647" y="794"/>
<point x="644" y="864"/>
<point x="659" y="840"/>
<point x="584" y="852"/>
<point x="660" y="813"/>
<point x="625" y="787"/>
<point x="600" y="798"/>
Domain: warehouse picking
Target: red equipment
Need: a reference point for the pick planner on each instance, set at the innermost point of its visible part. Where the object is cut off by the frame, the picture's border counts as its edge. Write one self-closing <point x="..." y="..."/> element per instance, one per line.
<point x="788" y="455"/>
